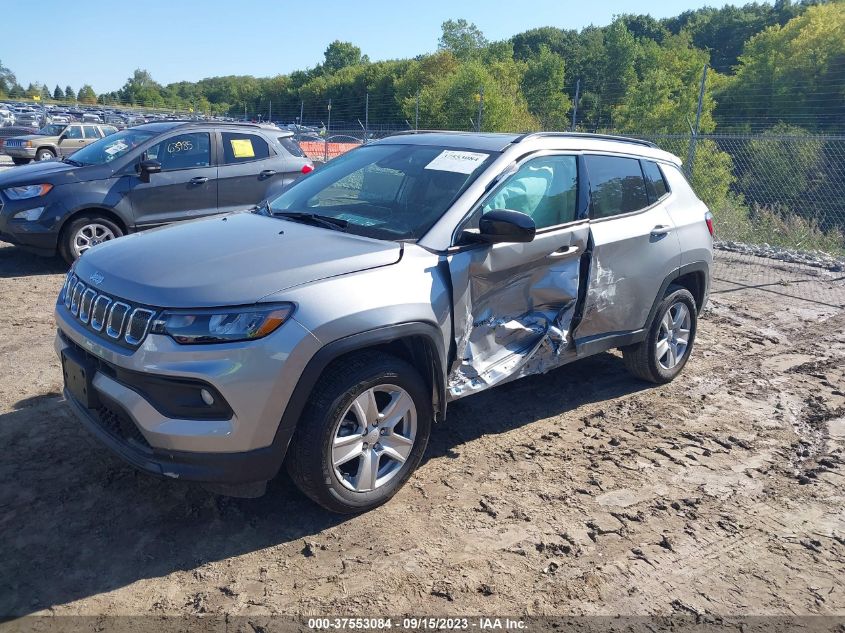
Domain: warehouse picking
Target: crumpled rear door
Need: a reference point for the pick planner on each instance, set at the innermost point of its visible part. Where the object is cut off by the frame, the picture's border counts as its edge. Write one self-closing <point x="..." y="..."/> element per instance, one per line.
<point x="513" y="307"/>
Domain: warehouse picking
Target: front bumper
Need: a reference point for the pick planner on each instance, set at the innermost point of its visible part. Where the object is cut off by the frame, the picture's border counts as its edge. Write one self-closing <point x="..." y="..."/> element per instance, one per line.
<point x="255" y="379"/>
<point x="20" y="152"/>
<point x="40" y="236"/>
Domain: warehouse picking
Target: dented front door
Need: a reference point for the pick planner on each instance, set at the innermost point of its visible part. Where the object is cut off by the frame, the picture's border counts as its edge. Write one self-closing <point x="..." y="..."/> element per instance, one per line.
<point x="513" y="306"/>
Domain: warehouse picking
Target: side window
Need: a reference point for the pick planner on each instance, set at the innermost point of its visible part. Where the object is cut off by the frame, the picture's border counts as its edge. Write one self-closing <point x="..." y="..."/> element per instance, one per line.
<point x="291" y="146"/>
<point x="655" y="184"/>
<point x="616" y="186"/>
<point x="91" y="132"/>
<point x="183" y="151"/>
<point x="242" y="148"/>
<point x="74" y="132"/>
<point x="544" y="188"/>
<point x="108" y="129"/>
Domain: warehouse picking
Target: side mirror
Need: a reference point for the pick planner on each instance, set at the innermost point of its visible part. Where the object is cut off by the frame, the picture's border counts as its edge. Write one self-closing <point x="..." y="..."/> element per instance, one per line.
<point x="503" y="225"/>
<point x="147" y="167"/>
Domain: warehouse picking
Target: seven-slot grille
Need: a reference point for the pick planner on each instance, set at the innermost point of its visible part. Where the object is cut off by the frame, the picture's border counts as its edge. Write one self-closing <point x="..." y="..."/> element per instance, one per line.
<point x="113" y="318"/>
<point x="14" y="143"/>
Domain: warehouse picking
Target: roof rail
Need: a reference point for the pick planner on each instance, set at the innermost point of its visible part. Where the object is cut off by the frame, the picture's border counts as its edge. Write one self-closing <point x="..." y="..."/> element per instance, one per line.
<point x="586" y="135"/>
<point x="405" y="132"/>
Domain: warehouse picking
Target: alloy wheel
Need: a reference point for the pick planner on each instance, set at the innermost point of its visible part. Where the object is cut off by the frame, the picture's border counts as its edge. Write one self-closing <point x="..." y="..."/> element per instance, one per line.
<point x="374" y="437"/>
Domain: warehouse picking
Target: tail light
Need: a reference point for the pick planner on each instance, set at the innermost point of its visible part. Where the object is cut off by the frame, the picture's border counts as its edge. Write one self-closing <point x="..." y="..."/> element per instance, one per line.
<point x="708" y="217"/>
<point x="307" y="169"/>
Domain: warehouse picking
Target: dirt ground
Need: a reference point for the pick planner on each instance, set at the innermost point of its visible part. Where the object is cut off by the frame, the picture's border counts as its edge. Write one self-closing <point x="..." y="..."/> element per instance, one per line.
<point x="581" y="491"/>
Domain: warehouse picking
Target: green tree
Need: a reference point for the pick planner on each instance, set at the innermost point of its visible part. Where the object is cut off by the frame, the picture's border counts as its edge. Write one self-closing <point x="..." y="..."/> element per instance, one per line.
<point x="141" y="89"/>
<point x="86" y="94"/>
<point x="340" y="55"/>
<point x="542" y="85"/>
<point x="7" y="80"/>
<point x="58" y="93"/>
<point x="463" y="39"/>
<point x="70" y="95"/>
<point x="45" y="92"/>
<point x="664" y="99"/>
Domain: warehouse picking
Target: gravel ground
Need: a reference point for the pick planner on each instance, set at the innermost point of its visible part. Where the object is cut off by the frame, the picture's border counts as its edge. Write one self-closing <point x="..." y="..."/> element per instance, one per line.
<point x="581" y="491"/>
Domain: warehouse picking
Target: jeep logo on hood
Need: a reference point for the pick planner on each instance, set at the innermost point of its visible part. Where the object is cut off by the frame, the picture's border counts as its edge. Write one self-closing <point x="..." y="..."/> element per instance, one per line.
<point x="97" y="277"/>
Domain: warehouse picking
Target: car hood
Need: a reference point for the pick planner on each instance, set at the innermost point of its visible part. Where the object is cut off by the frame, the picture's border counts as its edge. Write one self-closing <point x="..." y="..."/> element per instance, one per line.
<point x="235" y="259"/>
<point x="33" y="137"/>
<point x="54" y="172"/>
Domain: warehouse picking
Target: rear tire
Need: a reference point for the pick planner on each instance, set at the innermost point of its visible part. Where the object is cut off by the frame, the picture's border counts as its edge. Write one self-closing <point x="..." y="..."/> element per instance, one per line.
<point x="346" y="455"/>
<point x="86" y="231"/>
<point x="668" y="345"/>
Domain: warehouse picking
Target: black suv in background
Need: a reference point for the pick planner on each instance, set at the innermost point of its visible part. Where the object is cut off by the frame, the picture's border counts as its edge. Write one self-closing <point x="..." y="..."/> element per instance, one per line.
<point x="143" y="177"/>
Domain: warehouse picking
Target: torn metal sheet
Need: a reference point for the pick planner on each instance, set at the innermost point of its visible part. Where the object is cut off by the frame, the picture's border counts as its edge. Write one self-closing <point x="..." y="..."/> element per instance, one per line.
<point x="514" y="305"/>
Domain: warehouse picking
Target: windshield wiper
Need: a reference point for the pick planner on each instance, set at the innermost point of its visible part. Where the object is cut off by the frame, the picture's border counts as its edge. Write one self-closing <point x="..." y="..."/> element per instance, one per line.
<point x="316" y="219"/>
<point x="70" y="161"/>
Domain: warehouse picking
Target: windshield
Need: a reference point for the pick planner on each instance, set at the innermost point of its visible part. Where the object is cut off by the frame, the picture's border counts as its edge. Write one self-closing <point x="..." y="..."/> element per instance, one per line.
<point x="52" y="130"/>
<point x="386" y="191"/>
<point x="111" y="147"/>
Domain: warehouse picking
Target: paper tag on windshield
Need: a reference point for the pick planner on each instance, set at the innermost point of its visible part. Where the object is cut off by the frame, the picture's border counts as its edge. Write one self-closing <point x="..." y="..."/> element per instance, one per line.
<point x="457" y="161"/>
<point x="117" y="147"/>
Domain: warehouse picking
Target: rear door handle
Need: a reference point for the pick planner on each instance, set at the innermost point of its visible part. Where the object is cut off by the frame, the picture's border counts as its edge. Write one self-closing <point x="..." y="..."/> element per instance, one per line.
<point x="661" y="229"/>
<point x="267" y="173"/>
<point x="198" y="180"/>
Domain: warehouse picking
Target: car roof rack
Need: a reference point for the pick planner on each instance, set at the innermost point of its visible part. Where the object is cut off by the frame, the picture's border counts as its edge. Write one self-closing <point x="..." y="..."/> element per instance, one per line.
<point x="585" y="135"/>
<point x="404" y="132"/>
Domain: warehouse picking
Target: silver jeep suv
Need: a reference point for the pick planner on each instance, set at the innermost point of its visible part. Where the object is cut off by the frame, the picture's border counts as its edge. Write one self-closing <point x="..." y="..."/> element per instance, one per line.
<point x="331" y="326"/>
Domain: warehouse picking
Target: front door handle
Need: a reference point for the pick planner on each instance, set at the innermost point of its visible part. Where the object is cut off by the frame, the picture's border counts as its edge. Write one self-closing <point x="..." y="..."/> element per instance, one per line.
<point x="267" y="173"/>
<point x="660" y="229"/>
<point x="198" y="180"/>
<point x="563" y="252"/>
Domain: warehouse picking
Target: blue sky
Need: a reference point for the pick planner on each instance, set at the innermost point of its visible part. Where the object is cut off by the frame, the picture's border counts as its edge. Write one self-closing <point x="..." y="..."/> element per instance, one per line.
<point x="102" y="41"/>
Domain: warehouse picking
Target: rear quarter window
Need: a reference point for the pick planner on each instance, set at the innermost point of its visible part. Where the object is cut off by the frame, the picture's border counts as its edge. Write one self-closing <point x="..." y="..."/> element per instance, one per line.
<point x="291" y="146"/>
<point x="617" y="185"/>
<point x="655" y="183"/>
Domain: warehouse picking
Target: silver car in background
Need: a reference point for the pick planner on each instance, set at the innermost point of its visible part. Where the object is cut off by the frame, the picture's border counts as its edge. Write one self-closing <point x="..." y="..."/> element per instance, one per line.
<point x="331" y="327"/>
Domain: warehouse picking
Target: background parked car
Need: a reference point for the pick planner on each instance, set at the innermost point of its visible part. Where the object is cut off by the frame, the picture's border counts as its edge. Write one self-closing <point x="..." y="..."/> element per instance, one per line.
<point x="55" y="140"/>
<point x="9" y="131"/>
<point x="143" y="177"/>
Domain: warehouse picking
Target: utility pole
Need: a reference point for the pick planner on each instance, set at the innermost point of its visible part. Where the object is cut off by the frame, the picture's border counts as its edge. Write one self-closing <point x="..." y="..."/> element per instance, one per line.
<point x="299" y="125"/>
<point x="417" y="113"/>
<point x="270" y="117"/>
<point x="366" y="117"/>
<point x="326" y="140"/>
<point x="694" y="135"/>
<point x="575" y="106"/>
<point x="480" y="107"/>
<point x="244" y="110"/>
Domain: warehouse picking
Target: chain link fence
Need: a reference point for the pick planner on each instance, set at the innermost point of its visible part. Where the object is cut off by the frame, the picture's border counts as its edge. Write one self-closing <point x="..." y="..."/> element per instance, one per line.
<point x="778" y="194"/>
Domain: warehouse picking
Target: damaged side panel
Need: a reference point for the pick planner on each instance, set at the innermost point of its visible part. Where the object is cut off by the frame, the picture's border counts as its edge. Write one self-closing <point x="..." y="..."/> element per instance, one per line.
<point x="513" y="308"/>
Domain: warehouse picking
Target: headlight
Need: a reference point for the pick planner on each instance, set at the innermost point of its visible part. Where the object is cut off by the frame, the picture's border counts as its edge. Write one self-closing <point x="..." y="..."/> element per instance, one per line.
<point x="28" y="144"/>
<point x="27" y="191"/>
<point x="222" y="325"/>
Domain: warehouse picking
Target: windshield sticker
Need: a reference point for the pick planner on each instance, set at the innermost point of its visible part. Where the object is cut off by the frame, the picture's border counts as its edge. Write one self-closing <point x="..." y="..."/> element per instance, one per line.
<point x="242" y="148"/>
<point x="111" y="150"/>
<point x="360" y="220"/>
<point x="458" y="162"/>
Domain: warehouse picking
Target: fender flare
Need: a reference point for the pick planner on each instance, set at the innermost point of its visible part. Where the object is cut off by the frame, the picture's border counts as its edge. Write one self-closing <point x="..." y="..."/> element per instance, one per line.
<point x="361" y="340"/>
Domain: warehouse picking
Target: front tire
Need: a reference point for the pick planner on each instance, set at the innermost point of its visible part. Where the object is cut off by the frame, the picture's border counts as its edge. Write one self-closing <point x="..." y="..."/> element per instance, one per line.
<point x="44" y="154"/>
<point x="20" y="161"/>
<point x="666" y="349"/>
<point x="84" y="232"/>
<point x="363" y="432"/>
